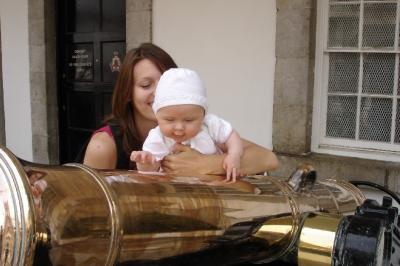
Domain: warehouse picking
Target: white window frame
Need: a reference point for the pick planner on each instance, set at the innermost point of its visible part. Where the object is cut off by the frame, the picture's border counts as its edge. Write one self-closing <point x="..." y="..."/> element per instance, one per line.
<point x="338" y="146"/>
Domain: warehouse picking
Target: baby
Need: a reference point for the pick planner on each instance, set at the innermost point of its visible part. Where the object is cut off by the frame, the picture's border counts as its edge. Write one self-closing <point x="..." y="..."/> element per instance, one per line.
<point x="180" y="106"/>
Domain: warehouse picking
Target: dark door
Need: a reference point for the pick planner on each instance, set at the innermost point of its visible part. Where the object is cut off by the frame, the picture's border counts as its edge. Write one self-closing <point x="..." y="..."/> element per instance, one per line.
<point x="91" y="48"/>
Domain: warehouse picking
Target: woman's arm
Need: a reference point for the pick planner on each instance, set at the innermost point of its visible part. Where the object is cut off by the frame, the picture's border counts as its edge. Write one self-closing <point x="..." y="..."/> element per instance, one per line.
<point x="255" y="159"/>
<point x="101" y="152"/>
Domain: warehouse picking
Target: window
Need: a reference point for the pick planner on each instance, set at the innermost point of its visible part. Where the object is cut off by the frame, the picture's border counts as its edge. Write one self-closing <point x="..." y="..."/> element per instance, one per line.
<point x="357" y="92"/>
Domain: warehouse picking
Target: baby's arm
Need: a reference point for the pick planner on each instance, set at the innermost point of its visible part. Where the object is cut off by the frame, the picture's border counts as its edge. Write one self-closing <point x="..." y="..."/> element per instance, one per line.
<point x="234" y="153"/>
<point x="145" y="161"/>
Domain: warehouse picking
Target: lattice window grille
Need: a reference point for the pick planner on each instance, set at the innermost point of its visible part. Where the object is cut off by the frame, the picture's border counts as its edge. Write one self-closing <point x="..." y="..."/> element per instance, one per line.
<point x="361" y="108"/>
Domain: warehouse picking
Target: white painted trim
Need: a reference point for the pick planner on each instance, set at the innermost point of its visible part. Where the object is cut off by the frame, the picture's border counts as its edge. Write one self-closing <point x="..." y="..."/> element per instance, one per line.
<point x="361" y="144"/>
<point x="16" y="77"/>
<point x="322" y="11"/>
<point x="359" y="153"/>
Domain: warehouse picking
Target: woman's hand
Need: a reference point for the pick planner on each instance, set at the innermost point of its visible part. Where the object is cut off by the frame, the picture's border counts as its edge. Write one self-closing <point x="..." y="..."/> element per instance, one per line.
<point x="255" y="159"/>
<point x="186" y="160"/>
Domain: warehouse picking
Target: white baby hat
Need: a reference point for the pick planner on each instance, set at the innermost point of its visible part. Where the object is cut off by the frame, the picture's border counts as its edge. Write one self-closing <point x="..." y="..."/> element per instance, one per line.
<point x="179" y="86"/>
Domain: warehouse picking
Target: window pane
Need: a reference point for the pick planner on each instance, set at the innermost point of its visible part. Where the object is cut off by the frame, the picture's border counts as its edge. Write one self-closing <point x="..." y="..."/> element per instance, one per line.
<point x="80" y="62"/>
<point x="111" y="14"/>
<point x="343" y="72"/>
<point x="341" y="116"/>
<point x="397" y="135"/>
<point x="82" y="113"/>
<point x="375" y="119"/>
<point x="379" y="25"/>
<point x="113" y="54"/>
<point x="378" y="73"/>
<point x="81" y="15"/>
<point x="343" y="25"/>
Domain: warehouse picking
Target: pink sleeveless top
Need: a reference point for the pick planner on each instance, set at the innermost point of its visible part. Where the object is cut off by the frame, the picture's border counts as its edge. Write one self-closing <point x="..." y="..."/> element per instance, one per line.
<point x="106" y="129"/>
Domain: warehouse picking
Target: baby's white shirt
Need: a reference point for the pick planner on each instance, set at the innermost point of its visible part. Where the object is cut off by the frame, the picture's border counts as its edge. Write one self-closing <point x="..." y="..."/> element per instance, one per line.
<point x="214" y="131"/>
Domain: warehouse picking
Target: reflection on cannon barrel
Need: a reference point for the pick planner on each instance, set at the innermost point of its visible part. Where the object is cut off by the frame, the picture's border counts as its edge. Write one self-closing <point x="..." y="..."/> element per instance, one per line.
<point x="74" y="215"/>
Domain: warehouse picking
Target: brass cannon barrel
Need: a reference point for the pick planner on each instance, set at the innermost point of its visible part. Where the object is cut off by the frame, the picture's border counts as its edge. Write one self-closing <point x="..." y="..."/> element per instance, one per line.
<point x="74" y="215"/>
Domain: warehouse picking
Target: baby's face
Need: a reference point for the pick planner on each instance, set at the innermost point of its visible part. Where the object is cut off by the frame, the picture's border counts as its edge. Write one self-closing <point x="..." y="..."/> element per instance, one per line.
<point x="180" y="122"/>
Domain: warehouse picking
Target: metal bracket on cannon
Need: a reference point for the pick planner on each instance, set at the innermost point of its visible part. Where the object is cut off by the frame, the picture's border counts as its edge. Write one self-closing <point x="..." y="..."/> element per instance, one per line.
<point x="303" y="178"/>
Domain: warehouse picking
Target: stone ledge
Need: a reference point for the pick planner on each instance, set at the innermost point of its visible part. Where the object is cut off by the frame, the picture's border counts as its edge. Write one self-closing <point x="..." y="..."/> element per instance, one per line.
<point x="341" y="167"/>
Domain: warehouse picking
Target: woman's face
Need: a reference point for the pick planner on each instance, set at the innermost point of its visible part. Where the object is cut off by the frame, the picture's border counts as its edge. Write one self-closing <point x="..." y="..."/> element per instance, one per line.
<point x="146" y="76"/>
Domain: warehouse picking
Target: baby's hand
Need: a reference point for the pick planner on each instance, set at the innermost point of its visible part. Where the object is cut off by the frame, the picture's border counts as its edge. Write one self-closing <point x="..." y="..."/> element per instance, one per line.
<point x="143" y="157"/>
<point x="232" y="167"/>
<point x="145" y="161"/>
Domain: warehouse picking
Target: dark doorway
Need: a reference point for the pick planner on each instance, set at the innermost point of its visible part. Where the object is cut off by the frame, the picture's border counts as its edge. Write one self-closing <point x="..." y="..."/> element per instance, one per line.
<point x="91" y="47"/>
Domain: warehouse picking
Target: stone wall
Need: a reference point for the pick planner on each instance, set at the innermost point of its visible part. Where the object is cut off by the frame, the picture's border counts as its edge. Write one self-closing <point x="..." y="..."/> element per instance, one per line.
<point x="2" y="126"/>
<point x="138" y="22"/>
<point x="51" y="80"/>
<point x="346" y="168"/>
<point x="293" y="82"/>
<point x="43" y="79"/>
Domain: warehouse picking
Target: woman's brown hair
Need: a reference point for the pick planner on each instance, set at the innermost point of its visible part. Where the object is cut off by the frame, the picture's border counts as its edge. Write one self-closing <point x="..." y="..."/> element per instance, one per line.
<point x="122" y="109"/>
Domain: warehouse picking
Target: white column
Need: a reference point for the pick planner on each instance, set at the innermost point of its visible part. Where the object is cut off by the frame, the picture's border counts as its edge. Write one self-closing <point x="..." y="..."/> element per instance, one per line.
<point x="16" y="79"/>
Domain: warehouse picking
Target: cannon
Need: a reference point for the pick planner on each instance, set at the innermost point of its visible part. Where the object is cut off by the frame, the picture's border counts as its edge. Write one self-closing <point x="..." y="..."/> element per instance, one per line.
<point x="74" y="215"/>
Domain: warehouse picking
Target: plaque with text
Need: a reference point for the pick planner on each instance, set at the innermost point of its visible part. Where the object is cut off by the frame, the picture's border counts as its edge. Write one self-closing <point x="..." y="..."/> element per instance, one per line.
<point x="80" y="62"/>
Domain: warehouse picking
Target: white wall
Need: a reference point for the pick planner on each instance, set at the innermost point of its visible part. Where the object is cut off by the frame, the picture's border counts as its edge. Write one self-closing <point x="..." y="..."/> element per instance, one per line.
<point x="231" y="44"/>
<point x="16" y="85"/>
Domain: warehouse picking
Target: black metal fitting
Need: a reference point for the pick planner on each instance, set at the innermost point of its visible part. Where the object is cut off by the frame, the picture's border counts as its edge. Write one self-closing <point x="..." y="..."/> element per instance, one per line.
<point x="369" y="237"/>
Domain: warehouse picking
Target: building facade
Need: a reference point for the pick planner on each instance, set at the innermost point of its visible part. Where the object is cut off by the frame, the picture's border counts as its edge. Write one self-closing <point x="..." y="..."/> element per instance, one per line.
<point x="315" y="80"/>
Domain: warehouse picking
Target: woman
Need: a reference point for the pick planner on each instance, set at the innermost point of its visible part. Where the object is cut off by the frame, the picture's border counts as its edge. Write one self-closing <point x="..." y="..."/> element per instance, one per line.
<point x="132" y="118"/>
